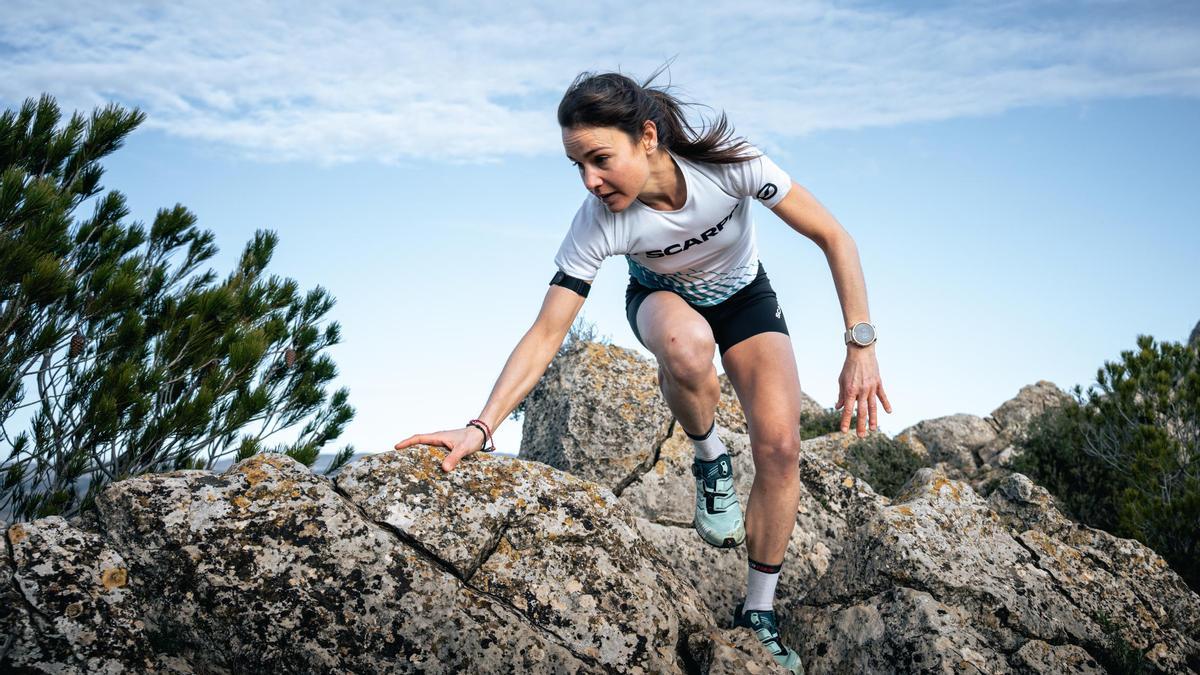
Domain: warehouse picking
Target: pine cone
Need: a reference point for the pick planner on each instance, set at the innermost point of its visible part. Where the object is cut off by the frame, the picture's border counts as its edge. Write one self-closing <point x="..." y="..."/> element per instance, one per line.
<point x="76" y="344"/>
<point x="290" y="357"/>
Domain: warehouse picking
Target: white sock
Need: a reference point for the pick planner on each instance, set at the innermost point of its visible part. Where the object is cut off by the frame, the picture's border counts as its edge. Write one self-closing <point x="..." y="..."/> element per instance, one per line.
<point x="709" y="446"/>
<point x="760" y="585"/>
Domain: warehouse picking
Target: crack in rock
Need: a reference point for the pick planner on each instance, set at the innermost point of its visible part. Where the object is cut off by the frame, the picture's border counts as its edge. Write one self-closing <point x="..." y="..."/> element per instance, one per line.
<point x="445" y="566"/>
<point x="646" y="466"/>
<point x="490" y="547"/>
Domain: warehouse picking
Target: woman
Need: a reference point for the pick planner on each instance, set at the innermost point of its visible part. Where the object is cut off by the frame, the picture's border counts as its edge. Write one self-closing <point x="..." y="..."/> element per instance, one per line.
<point x="677" y="205"/>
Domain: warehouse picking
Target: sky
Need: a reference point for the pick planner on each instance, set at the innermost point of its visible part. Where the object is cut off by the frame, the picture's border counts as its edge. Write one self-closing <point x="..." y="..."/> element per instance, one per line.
<point x="1020" y="178"/>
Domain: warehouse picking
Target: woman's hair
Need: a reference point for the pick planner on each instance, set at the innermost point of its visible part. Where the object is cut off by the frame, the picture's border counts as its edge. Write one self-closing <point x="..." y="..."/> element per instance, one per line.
<point x="614" y="100"/>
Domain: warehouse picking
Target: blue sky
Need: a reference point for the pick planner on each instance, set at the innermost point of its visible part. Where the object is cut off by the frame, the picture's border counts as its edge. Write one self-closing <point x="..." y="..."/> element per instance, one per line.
<point x="1020" y="178"/>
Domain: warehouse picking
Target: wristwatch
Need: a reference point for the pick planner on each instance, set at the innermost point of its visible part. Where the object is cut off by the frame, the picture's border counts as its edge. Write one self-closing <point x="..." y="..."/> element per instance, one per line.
<point x="861" y="334"/>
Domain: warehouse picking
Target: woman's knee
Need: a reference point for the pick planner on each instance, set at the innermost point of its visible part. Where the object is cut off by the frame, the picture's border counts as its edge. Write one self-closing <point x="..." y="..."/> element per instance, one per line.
<point x="778" y="448"/>
<point x="687" y="351"/>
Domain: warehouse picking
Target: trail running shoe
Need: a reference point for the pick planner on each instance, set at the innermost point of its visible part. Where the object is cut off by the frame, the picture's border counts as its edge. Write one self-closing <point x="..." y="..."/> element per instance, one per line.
<point x="718" y="514"/>
<point x="762" y="622"/>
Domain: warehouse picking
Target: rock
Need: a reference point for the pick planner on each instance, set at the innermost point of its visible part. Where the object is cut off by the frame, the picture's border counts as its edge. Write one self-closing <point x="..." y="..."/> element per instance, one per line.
<point x="667" y="492"/>
<point x="1011" y="420"/>
<point x="730" y="415"/>
<point x="1194" y="338"/>
<point x="718" y="575"/>
<point x="501" y="566"/>
<point x="731" y="652"/>
<point x="1040" y="657"/>
<point x="598" y="414"/>
<point x="67" y="608"/>
<point x="950" y="443"/>
<point x="900" y="629"/>
<point x="1104" y="575"/>
<point x="1014" y="415"/>
<point x="267" y="568"/>
<point x="664" y="499"/>
<point x="562" y="551"/>
<point x="958" y="582"/>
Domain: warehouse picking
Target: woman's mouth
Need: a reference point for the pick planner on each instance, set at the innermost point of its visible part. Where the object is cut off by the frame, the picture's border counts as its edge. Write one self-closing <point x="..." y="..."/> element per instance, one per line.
<point x="605" y="198"/>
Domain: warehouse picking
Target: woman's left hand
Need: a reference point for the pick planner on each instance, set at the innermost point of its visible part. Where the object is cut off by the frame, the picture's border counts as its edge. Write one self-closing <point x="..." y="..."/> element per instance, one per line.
<point x="860" y="385"/>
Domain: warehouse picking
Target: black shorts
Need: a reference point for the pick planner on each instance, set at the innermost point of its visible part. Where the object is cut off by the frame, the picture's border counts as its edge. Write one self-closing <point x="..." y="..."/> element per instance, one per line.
<point x="752" y="310"/>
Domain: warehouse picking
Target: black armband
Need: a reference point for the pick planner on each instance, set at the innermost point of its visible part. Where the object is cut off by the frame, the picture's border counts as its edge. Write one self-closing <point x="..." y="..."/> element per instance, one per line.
<point x="567" y="281"/>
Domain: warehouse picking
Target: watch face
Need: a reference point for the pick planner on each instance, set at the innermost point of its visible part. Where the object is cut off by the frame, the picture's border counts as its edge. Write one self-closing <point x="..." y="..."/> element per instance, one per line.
<point x="863" y="333"/>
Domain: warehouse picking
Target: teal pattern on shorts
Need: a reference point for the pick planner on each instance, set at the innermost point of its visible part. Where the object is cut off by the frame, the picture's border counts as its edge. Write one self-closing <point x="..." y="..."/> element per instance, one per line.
<point x="699" y="287"/>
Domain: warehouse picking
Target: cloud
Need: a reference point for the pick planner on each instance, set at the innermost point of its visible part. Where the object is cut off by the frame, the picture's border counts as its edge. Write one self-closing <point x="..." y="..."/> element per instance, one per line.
<point x="472" y="82"/>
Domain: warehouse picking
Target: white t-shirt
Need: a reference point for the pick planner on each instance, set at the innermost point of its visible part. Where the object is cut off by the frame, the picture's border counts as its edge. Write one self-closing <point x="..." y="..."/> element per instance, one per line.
<point x="705" y="251"/>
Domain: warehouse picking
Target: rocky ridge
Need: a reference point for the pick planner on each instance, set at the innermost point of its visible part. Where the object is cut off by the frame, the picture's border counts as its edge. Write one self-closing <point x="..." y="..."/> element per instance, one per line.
<point x="579" y="557"/>
<point x="940" y="579"/>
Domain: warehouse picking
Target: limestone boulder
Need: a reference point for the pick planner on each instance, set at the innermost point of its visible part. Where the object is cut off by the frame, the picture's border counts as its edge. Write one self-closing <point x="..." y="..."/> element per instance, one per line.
<point x="832" y="503"/>
<point x="561" y="551"/>
<point x="950" y="443"/>
<point x="941" y="580"/>
<point x="67" y="607"/>
<point x="732" y="652"/>
<point x="666" y="493"/>
<point x="1012" y="419"/>
<point x="596" y="413"/>
<point x="268" y="568"/>
<point x="718" y="575"/>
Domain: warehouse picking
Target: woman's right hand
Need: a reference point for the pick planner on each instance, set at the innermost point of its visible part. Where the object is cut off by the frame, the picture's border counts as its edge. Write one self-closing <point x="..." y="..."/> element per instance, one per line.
<point x="460" y="443"/>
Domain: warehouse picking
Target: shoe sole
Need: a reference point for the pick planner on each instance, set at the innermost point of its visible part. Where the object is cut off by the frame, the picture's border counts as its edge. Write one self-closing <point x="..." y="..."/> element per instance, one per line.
<point x="728" y="542"/>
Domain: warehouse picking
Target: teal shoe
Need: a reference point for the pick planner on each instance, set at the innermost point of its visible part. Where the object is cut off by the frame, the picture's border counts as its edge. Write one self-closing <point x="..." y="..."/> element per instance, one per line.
<point x="762" y="622"/>
<point x="718" y="514"/>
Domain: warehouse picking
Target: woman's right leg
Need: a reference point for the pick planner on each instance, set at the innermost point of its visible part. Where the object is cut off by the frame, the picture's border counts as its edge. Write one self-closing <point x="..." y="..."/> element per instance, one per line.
<point x="682" y="341"/>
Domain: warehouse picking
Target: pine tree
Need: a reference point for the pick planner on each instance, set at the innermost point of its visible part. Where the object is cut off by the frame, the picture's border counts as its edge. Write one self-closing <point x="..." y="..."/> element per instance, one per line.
<point x="136" y="362"/>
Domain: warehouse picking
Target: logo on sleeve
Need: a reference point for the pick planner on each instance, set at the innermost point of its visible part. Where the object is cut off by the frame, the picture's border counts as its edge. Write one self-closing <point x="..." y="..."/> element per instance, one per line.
<point x="767" y="191"/>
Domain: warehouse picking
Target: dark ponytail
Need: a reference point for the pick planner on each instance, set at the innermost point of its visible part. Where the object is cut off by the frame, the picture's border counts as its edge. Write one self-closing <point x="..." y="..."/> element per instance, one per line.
<point x="615" y="100"/>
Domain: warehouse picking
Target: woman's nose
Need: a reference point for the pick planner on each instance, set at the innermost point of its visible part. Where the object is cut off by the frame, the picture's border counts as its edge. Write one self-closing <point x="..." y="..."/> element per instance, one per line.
<point x="591" y="180"/>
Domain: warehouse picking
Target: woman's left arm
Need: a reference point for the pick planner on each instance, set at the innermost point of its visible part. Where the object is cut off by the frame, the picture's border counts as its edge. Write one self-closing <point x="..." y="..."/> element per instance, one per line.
<point x="859" y="382"/>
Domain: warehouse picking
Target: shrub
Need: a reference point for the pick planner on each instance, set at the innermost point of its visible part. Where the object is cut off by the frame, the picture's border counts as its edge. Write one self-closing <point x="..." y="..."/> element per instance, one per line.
<point x="137" y="362"/>
<point x="1125" y="456"/>
<point x="886" y="464"/>
<point x="827" y="421"/>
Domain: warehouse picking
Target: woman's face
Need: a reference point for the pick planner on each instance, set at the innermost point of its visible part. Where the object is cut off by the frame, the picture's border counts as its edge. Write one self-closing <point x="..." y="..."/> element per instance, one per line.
<point x="612" y="167"/>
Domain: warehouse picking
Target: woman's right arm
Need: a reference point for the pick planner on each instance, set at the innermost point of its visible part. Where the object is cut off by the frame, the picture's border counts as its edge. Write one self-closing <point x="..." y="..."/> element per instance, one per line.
<point x="525" y="366"/>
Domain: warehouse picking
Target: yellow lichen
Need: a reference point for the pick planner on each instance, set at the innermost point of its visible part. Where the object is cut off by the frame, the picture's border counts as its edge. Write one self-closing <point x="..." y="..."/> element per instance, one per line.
<point x="113" y="577"/>
<point x="941" y="482"/>
<point x="16" y="534"/>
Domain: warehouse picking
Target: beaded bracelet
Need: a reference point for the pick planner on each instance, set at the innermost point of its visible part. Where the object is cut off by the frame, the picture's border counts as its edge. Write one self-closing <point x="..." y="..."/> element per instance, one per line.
<point x="487" y="434"/>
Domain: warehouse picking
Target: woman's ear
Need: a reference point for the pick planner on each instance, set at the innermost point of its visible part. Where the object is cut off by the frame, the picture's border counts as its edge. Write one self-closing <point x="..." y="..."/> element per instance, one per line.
<point x="649" y="136"/>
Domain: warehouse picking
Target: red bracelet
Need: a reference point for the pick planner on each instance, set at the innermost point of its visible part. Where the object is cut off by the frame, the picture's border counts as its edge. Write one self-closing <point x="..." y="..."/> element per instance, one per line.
<point x="487" y="434"/>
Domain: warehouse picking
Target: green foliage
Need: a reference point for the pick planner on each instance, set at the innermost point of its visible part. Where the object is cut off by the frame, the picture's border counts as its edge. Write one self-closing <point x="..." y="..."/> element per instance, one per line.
<point x="137" y="361"/>
<point x="1125" y="457"/>
<point x="1054" y="456"/>
<point x="827" y="421"/>
<point x="884" y="463"/>
<point x="580" y="332"/>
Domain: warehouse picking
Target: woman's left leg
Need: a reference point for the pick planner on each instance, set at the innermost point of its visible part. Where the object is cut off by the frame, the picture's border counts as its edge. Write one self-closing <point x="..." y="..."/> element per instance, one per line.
<point x="762" y="370"/>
